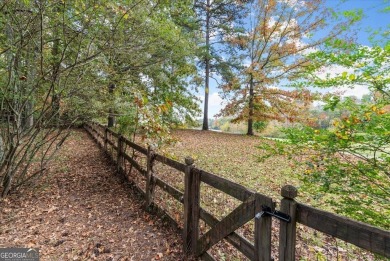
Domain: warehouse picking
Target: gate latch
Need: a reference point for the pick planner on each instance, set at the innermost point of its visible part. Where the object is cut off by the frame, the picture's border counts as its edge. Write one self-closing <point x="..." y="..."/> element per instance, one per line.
<point x="268" y="212"/>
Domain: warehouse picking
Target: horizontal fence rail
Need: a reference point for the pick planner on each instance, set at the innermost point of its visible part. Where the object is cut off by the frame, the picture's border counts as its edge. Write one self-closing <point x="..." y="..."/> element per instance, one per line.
<point x="360" y="234"/>
<point x="254" y="206"/>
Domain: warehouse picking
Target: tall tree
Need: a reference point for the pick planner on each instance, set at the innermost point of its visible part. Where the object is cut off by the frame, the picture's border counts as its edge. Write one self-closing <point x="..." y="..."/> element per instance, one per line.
<point x="218" y="20"/>
<point x="278" y="36"/>
<point x="151" y="80"/>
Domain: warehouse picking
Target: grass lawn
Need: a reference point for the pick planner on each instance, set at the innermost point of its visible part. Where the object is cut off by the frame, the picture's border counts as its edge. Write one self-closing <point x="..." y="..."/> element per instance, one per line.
<point x="234" y="156"/>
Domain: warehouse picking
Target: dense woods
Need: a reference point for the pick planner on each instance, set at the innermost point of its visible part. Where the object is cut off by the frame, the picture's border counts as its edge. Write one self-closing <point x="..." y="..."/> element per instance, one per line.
<point x="143" y="66"/>
<point x="64" y="62"/>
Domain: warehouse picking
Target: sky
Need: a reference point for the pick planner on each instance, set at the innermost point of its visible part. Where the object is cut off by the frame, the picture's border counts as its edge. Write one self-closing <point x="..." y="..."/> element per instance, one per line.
<point x="373" y="19"/>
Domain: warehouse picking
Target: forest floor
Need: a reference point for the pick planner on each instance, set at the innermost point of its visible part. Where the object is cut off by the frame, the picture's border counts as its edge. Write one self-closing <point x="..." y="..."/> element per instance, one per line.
<point x="82" y="211"/>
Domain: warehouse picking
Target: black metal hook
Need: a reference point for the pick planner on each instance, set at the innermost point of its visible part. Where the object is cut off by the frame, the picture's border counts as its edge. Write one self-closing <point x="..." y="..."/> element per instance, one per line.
<point x="267" y="211"/>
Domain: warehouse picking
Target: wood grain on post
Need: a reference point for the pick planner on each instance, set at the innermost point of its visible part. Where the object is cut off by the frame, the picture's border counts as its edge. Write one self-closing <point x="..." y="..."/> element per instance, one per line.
<point x="149" y="177"/>
<point x="195" y="195"/>
<point x="119" y="154"/>
<point x="287" y="236"/>
<point x="263" y="226"/>
<point x="188" y="204"/>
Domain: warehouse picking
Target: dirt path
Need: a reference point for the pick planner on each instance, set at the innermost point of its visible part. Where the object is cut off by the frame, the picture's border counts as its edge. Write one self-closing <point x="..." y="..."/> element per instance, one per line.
<point x="82" y="211"/>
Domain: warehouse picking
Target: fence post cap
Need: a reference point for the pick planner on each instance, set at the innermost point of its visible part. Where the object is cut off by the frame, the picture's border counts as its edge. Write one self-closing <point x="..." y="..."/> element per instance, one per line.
<point x="289" y="191"/>
<point x="189" y="161"/>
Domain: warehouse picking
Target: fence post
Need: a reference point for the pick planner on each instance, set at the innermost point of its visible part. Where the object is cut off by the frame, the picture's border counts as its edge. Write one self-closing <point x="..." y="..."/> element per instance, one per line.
<point x="191" y="207"/>
<point x="287" y="234"/>
<point x="263" y="226"/>
<point x="95" y="136"/>
<point x="195" y="209"/>
<point x="119" y="154"/>
<point x="149" y="177"/>
<point x="105" y="138"/>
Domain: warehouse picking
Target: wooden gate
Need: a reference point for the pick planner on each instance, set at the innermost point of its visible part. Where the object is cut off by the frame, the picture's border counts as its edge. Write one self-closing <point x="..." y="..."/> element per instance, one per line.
<point x="254" y="206"/>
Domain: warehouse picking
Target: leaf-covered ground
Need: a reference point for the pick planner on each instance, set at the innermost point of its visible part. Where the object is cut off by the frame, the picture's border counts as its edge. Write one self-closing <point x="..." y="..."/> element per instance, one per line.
<point x="82" y="211"/>
<point x="235" y="157"/>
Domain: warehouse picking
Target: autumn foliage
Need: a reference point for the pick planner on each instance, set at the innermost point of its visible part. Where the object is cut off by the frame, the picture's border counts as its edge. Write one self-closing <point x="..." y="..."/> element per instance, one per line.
<point x="273" y="51"/>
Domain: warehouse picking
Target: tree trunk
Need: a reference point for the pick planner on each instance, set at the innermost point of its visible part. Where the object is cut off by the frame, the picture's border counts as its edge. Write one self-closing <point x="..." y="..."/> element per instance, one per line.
<point x="28" y="117"/>
<point x="251" y="107"/>
<point x="55" y="103"/>
<point x="207" y="80"/>
<point x="111" y="117"/>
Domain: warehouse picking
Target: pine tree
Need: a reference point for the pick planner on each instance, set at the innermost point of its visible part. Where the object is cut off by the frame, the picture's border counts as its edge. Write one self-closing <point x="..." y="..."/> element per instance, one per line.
<point x="218" y="20"/>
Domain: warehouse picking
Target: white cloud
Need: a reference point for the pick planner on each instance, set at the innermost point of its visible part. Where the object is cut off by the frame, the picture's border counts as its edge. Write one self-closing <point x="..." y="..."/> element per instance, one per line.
<point x="215" y="99"/>
<point x="216" y="103"/>
<point x="332" y="71"/>
<point x="335" y="70"/>
<point x="357" y="90"/>
<point x="293" y="3"/>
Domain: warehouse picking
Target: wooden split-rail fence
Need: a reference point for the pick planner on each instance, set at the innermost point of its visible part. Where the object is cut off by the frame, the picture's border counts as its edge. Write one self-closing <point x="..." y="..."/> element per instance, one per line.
<point x="254" y="206"/>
